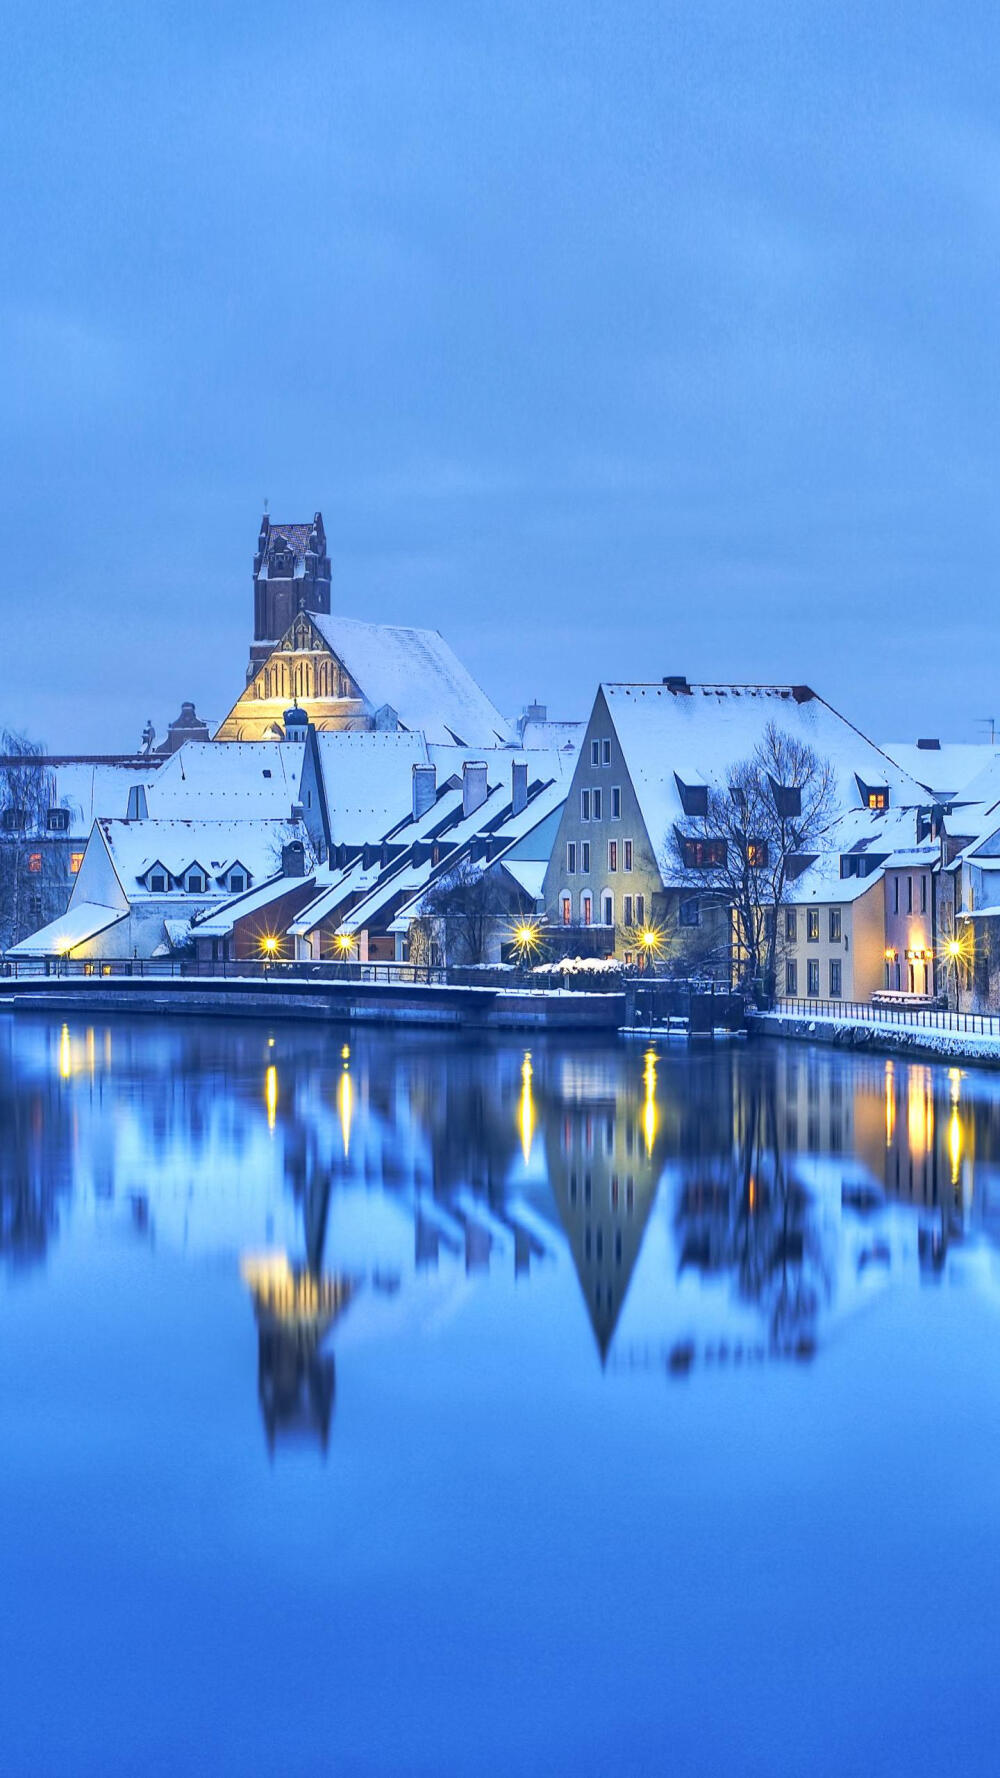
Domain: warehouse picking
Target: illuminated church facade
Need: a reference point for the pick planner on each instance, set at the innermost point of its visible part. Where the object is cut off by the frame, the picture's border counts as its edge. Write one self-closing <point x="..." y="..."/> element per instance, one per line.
<point x="346" y="674"/>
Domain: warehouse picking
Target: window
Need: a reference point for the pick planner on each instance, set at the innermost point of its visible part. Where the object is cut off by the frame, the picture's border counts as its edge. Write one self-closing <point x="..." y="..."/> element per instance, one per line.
<point x="612" y="854"/>
<point x="895" y="895"/>
<point x="812" y="969"/>
<point x="585" y="857"/>
<point x="923" y="895"/>
<point x="694" y="797"/>
<point x="909" y="895"/>
<point x="567" y="910"/>
<point x="34" y="862"/>
<point x="791" y="976"/>
<point x="835" y="929"/>
<point x="640" y="909"/>
<point x="586" y="909"/>
<point x="616" y="802"/>
<point x="75" y="861"/>
<point x="605" y="753"/>
<point x="57" y="820"/>
<point x="237" y="882"/>
<point x="608" y="910"/>
<point x="791" y="925"/>
<point x="812" y="927"/>
<point x="11" y="819"/>
<point x="585" y="805"/>
<point x="787" y="799"/>
<point x="689" y="912"/>
<point x="595" y="753"/>
<point x="597" y="805"/>
<point x="756" y="854"/>
<point x="704" y="854"/>
<point x="835" y="978"/>
<point x="571" y="857"/>
<point x="627" y="910"/>
<point x="158" y="884"/>
<point x="627" y="865"/>
<point x="878" y="799"/>
<point x="195" y="884"/>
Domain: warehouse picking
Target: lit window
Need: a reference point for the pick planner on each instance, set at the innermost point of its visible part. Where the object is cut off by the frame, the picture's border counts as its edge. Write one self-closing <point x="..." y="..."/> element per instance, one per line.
<point x="616" y="802"/>
<point x="587" y="909"/>
<point x="612" y="854"/>
<point x="567" y="910"/>
<point x="835" y="927"/>
<point x="75" y="861"/>
<point x="812" y="928"/>
<point x="704" y="854"/>
<point x="34" y="862"/>
<point x="628" y="855"/>
<point x="756" y="854"/>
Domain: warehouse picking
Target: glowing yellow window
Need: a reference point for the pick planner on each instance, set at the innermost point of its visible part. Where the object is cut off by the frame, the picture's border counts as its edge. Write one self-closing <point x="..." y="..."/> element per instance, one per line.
<point x="34" y="862"/>
<point x="75" y="861"/>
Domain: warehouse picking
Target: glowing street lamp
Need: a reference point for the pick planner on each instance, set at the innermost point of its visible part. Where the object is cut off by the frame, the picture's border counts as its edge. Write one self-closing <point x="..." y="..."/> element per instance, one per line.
<point x="269" y="944"/>
<point x="526" y="938"/>
<point x="344" y="942"/>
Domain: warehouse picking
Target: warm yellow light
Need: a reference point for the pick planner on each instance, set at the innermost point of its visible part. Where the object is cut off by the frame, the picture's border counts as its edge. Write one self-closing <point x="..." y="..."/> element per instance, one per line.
<point x="345" y="1108"/>
<point x="649" y="1102"/>
<point x="344" y="941"/>
<point x="271" y="1094"/>
<point x="953" y="947"/>
<point x="890" y="1104"/>
<point x="890" y="954"/>
<point x="345" y="1054"/>
<point x="269" y="944"/>
<point x="526" y="1108"/>
<point x="526" y="937"/>
<point x="65" y="1054"/>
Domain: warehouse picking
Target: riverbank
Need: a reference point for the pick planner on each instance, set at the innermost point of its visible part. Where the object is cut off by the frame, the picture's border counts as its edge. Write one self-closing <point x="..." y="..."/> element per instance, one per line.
<point x="917" y="1041"/>
<point x="396" y="1003"/>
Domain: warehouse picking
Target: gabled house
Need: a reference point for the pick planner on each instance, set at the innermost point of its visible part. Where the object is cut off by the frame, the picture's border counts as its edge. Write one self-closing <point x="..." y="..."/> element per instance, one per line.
<point x="631" y="849"/>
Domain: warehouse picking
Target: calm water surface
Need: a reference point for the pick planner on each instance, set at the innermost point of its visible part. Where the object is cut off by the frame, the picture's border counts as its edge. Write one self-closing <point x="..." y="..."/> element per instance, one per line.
<point x="393" y="1404"/>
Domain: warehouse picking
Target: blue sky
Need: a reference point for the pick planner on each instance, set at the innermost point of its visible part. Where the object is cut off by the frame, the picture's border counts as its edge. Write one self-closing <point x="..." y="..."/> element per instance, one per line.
<point x="612" y="340"/>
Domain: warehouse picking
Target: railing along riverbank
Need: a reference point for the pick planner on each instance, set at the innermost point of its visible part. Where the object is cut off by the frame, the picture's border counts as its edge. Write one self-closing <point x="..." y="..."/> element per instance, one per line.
<point x="889" y="1015"/>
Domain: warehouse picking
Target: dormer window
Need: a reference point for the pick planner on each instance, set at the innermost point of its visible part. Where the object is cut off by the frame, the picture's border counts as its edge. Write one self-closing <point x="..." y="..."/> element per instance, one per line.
<point x="194" y="882"/>
<point x="237" y="882"/>
<point x="157" y="883"/>
<point x="787" y="800"/>
<point x="694" y="797"/>
<point x="13" y="819"/>
<point x="57" y="820"/>
<point x="874" y="796"/>
<point x="704" y="854"/>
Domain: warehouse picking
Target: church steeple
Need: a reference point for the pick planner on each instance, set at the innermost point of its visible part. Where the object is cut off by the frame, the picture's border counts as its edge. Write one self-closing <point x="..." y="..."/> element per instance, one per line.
<point x="291" y="572"/>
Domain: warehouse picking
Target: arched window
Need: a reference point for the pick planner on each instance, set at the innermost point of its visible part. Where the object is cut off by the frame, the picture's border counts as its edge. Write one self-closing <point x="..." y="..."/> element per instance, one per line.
<point x="567" y="910"/>
<point x="586" y="907"/>
<point x="608" y="910"/>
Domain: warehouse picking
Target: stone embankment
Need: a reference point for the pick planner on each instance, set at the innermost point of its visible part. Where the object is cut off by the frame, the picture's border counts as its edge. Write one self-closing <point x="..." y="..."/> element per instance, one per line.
<point x="353" y="1002"/>
<point x="922" y="1042"/>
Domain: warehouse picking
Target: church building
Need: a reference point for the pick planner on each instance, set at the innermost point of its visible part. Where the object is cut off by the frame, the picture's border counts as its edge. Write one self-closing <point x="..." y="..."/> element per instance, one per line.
<point x="346" y="674"/>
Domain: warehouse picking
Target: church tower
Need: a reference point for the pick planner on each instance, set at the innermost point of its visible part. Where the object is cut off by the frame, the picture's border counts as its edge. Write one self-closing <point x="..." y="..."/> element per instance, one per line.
<point x="291" y="572"/>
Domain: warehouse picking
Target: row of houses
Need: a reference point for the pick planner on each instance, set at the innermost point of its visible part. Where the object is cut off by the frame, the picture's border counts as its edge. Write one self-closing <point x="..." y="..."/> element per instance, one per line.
<point x="364" y="799"/>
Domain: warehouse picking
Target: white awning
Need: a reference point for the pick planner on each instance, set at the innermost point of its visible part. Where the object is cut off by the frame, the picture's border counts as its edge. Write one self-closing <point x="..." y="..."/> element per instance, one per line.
<point x="78" y="924"/>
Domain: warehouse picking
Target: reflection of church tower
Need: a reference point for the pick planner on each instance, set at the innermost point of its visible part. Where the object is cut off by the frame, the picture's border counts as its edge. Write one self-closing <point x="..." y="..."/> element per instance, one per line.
<point x="291" y="572"/>
<point x="604" y="1164"/>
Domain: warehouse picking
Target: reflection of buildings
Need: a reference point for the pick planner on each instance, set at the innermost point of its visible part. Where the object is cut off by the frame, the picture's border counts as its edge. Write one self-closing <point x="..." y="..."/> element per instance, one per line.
<point x="295" y="1308"/>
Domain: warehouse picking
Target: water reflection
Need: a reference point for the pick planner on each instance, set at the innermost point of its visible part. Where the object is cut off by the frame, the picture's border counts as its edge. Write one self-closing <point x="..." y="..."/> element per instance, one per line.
<point x="716" y="1206"/>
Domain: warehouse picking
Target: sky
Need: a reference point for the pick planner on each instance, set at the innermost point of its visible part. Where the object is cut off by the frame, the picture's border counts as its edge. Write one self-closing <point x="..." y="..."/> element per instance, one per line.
<point x="612" y="340"/>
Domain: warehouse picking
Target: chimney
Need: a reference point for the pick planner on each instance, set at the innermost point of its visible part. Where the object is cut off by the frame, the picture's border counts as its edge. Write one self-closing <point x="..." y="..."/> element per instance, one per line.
<point x="518" y="785"/>
<point x="137" y="807"/>
<point x="536" y="713"/>
<point x="675" y="682"/>
<point x="474" y="790"/>
<point x="424" y="789"/>
<point x="293" y="859"/>
<point x="298" y="811"/>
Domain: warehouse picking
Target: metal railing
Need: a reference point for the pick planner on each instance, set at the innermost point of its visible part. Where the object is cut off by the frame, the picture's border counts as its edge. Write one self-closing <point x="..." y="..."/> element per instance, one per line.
<point x="928" y="1018"/>
<point x="224" y="969"/>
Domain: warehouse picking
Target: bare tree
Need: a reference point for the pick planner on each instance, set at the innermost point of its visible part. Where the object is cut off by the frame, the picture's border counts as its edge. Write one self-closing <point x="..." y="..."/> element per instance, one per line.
<point x="463" y="911"/>
<point x="741" y="853"/>
<point x="30" y="866"/>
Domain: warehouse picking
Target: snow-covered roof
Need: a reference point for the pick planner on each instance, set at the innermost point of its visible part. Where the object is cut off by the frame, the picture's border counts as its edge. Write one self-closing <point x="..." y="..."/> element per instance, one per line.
<point x="822" y="882"/>
<point x="948" y="770"/>
<point x="418" y="675"/>
<point x="86" y="788"/>
<point x="137" y="845"/>
<point x="216" y="779"/>
<point x="218" y="922"/>
<point x="529" y="873"/>
<point x="702" y="731"/>
<point x="560" y="737"/>
<point x="82" y="921"/>
<point x="367" y="780"/>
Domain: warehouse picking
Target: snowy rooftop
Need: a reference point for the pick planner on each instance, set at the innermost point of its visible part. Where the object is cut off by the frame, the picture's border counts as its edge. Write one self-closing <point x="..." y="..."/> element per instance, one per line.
<point x="948" y="770"/>
<point x="418" y="675"/>
<point x="215" y="845"/>
<point x="228" y="778"/>
<point x="701" y="732"/>
<point x="368" y="781"/>
<point x="84" y="920"/>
